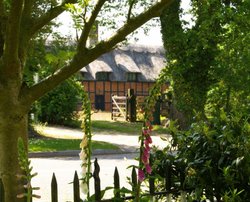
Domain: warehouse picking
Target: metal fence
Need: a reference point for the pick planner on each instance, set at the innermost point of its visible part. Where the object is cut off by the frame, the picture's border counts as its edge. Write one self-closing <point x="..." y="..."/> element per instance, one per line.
<point x="119" y="194"/>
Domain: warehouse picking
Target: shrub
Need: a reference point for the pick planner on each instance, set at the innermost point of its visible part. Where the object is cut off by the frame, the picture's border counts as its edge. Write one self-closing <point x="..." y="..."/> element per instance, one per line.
<point x="59" y="105"/>
<point x="214" y="154"/>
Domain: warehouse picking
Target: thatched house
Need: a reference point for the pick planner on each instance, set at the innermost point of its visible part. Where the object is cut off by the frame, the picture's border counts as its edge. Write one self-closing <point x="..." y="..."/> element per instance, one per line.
<point x="130" y="67"/>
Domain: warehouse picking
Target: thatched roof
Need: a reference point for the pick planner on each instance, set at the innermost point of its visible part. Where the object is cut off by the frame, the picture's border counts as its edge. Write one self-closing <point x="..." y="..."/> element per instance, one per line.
<point x="145" y="61"/>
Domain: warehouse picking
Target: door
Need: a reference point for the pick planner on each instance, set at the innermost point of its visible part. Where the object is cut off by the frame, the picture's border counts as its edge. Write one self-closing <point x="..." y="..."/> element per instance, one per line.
<point x="99" y="102"/>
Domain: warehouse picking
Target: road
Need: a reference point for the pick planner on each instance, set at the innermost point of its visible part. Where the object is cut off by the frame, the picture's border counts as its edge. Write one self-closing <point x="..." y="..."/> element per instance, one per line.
<point x="64" y="169"/>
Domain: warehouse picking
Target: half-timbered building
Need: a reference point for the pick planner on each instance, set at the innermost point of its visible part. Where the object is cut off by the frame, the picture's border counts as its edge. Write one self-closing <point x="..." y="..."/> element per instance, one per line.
<point x="130" y="67"/>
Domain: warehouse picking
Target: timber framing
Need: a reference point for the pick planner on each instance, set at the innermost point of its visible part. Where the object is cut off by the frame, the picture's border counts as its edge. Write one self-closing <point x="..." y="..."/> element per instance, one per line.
<point x="144" y="62"/>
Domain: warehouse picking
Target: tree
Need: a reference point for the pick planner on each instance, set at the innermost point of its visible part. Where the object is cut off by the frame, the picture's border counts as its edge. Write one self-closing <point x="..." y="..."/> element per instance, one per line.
<point x="209" y="68"/>
<point x="231" y="91"/>
<point x="211" y="54"/>
<point x="20" y="22"/>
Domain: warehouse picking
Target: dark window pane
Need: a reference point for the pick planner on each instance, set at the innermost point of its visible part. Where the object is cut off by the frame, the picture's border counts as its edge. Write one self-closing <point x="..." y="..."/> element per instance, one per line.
<point x="102" y="76"/>
<point x="131" y="77"/>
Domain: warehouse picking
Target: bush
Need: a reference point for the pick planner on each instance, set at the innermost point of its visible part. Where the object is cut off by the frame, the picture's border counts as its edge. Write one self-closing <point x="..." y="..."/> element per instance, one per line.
<point x="59" y="105"/>
<point x="214" y="155"/>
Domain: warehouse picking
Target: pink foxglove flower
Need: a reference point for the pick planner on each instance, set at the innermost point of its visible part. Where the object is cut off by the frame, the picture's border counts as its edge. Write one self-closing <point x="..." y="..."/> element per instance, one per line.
<point x="144" y="159"/>
<point x="146" y="150"/>
<point x="146" y="144"/>
<point x="146" y="132"/>
<point x="141" y="175"/>
<point x="146" y="154"/>
<point x="149" y="139"/>
<point x="148" y="168"/>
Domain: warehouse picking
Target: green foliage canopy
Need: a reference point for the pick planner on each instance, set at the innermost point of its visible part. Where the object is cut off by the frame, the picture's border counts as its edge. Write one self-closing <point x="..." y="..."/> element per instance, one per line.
<point x="209" y="72"/>
<point x="209" y="55"/>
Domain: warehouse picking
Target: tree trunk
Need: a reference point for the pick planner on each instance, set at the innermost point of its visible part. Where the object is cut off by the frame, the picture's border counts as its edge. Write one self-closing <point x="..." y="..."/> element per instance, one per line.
<point x="13" y="124"/>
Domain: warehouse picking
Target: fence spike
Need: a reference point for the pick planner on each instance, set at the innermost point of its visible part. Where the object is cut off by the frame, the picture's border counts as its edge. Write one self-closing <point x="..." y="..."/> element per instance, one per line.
<point x="168" y="181"/>
<point x="54" y="191"/>
<point x="151" y="179"/>
<point x="117" y="184"/>
<point x="1" y="191"/>
<point x="182" y="178"/>
<point x="168" y="176"/>
<point x="151" y="185"/>
<point x="97" y="181"/>
<point x="134" y="179"/>
<point x="76" y="188"/>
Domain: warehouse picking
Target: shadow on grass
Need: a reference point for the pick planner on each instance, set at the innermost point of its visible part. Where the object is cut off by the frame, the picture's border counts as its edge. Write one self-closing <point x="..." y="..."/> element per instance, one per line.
<point x="124" y="127"/>
<point x="54" y="144"/>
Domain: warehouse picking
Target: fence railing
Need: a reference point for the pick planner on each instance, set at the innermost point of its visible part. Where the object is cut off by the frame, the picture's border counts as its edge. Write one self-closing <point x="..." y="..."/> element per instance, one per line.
<point x="124" y="106"/>
<point x="119" y="106"/>
<point x="118" y="193"/>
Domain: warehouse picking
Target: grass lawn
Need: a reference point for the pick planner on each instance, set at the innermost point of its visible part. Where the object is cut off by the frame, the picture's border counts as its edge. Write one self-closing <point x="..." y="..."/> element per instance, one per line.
<point x="119" y="127"/>
<point x="44" y="143"/>
<point x="124" y="127"/>
<point x="52" y="144"/>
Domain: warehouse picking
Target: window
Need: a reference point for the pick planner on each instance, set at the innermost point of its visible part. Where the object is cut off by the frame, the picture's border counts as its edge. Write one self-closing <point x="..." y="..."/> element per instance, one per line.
<point x="102" y="76"/>
<point x="131" y="77"/>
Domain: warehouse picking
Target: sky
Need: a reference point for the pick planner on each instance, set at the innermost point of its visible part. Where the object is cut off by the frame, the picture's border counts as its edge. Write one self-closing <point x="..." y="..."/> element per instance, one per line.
<point x="154" y="35"/>
<point x="152" y="38"/>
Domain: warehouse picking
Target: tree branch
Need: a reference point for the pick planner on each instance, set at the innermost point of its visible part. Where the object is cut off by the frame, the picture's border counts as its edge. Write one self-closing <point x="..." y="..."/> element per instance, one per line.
<point x="26" y="21"/>
<point x="47" y="17"/>
<point x="84" y="56"/>
<point x="1" y="27"/>
<point x="131" y="4"/>
<point x="10" y="54"/>
<point x="28" y="7"/>
<point x="26" y="16"/>
<point x="85" y="33"/>
<point x="1" y="8"/>
<point x="29" y="95"/>
<point x="132" y="25"/>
